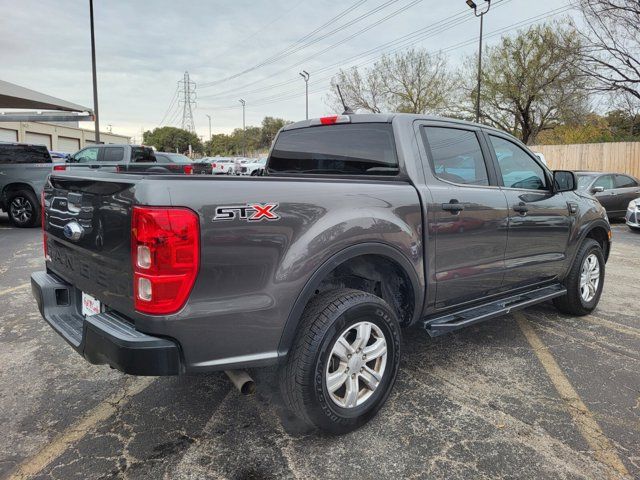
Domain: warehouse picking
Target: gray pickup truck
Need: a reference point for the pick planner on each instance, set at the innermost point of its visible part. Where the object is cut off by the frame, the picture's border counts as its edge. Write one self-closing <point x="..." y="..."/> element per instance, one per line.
<point x="24" y="169"/>
<point x="362" y="225"/>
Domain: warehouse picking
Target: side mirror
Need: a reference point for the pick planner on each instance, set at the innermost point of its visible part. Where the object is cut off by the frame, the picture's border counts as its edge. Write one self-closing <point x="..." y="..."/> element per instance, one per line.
<point x="597" y="189"/>
<point x="564" y="181"/>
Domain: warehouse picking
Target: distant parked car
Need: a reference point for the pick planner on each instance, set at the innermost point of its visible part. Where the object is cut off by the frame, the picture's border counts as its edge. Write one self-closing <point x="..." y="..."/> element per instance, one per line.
<point x="253" y="167"/>
<point x="199" y="166"/>
<point x="613" y="190"/>
<point x="59" y="157"/>
<point x="221" y="165"/>
<point x="633" y="214"/>
<point x="24" y="169"/>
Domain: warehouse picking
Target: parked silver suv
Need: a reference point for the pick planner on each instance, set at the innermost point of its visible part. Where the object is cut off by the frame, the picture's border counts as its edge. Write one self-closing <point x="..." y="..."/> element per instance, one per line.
<point x="24" y="169"/>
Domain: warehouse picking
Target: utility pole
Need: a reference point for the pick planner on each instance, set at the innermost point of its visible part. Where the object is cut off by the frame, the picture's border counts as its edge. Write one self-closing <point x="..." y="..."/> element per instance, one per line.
<point x="188" y="101"/>
<point x="305" y="75"/>
<point x="244" y="130"/>
<point x="95" y="79"/>
<point x="209" y="117"/>
<point x="473" y="5"/>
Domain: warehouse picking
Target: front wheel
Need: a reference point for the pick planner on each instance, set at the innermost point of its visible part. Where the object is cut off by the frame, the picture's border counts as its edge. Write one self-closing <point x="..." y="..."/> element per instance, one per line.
<point x="344" y="361"/>
<point x="584" y="282"/>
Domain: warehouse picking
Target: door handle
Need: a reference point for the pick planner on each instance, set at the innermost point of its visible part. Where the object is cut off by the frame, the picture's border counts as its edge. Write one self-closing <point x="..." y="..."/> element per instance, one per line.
<point x="94" y="166"/>
<point x="453" y="206"/>
<point x="521" y="208"/>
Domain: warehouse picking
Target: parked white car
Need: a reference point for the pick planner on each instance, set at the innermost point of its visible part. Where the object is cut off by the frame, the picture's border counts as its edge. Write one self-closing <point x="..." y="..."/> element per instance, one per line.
<point x="253" y="167"/>
<point x="221" y="165"/>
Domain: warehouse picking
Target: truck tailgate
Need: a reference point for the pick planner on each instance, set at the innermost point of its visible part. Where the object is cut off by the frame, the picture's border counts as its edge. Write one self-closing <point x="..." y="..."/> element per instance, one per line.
<point x="87" y="225"/>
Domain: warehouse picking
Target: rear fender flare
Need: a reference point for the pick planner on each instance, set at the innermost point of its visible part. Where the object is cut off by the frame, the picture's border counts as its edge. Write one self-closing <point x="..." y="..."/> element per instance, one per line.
<point x="372" y="248"/>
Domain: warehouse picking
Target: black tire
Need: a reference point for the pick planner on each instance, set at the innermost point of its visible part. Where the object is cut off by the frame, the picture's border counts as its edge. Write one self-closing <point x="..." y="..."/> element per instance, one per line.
<point x="572" y="303"/>
<point x="302" y="378"/>
<point x="24" y="209"/>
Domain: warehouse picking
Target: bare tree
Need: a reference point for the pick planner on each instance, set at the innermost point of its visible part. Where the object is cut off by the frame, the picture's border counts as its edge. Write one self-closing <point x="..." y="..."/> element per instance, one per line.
<point x="611" y="44"/>
<point x="414" y="81"/>
<point x="530" y="82"/>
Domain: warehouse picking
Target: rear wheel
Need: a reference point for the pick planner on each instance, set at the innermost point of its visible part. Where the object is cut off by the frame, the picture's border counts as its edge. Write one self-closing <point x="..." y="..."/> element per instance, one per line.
<point x="344" y="361"/>
<point x="584" y="282"/>
<point x="24" y="209"/>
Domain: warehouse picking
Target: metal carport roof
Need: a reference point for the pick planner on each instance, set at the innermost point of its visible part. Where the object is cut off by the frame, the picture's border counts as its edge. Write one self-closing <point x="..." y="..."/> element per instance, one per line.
<point x="15" y="96"/>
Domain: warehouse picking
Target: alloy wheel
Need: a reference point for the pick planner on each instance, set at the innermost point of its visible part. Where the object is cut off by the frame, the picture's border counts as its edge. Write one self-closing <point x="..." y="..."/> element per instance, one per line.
<point x="356" y="364"/>
<point x="589" y="277"/>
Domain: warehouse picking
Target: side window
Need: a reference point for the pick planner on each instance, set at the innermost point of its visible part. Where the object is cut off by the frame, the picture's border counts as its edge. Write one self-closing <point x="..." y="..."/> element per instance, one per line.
<point x="605" y="181"/>
<point x="517" y="168"/>
<point x="88" y="155"/>
<point x="113" y="154"/>
<point x="162" y="158"/>
<point x="10" y="154"/>
<point x="456" y="156"/>
<point x="622" y="181"/>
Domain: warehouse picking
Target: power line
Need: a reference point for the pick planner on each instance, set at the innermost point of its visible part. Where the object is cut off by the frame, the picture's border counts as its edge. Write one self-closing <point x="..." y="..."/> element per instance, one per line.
<point x="299" y="45"/>
<point x="291" y="94"/>
<point x="171" y="104"/>
<point x="446" y="22"/>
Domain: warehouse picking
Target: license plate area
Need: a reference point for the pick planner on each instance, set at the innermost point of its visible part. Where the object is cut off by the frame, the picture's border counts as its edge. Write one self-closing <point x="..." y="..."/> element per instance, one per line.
<point x="90" y="305"/>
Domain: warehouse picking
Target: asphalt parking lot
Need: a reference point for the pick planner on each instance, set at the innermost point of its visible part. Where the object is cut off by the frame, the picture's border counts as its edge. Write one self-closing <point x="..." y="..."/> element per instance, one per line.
<point x="531" y="395"/>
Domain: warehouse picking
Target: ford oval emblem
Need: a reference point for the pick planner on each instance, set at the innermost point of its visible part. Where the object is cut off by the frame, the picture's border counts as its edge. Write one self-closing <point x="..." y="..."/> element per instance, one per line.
<point x="73" y="231"/>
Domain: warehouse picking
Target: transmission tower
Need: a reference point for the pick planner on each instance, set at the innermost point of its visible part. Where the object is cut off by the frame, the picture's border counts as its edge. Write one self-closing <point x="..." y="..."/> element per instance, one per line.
<point x="187" y="90"/>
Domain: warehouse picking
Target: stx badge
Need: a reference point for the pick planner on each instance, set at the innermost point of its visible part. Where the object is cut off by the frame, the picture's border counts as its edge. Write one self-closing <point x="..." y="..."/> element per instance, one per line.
<point x="254" y="212"/>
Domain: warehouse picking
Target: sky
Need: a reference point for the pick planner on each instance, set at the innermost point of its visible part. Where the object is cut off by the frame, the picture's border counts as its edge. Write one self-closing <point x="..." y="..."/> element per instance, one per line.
<point x="232" y="49"/>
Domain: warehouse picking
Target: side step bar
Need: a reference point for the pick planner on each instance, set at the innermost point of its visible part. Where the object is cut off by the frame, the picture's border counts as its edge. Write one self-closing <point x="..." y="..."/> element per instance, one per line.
<point x="453" y="321"/>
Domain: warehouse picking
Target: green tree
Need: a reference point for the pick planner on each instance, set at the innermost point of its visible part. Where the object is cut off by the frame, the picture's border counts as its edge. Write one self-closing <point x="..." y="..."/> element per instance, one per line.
<point x="270" y="127"/>
<point x="170" y="139"/>
<point x="531" y="82"/>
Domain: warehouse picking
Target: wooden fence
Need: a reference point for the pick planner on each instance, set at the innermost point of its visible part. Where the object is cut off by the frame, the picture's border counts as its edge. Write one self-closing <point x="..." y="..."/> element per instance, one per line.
<point x="619" y="157"/>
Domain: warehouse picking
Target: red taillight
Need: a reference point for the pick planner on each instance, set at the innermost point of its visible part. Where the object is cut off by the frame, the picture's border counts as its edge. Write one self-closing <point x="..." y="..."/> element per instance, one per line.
<point x="188" y="169"/>
<point x="118" y="168"/>
<point x="165" y="250"/>
<point x="329" y="120"/>
<point x="213" y="165"/>
<point x="44" y="227"/>
<point x="59" y="168"/>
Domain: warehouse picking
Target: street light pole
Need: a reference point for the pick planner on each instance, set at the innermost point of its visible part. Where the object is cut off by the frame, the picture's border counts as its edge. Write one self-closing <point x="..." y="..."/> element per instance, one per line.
<point x="305" y="75"/>
<point x="209" y="117"/>
<point x="95" y="80"/>
<point x="473" y="5"/>
<point x="244" y="130"/>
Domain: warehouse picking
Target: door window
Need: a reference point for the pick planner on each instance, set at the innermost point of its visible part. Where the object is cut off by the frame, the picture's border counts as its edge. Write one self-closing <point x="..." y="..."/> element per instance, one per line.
<point x="605" y="181"/>
<point x="113" y="154"/>
<point x="622" y="181"/>
<point x="456" y="156"/>
<point x="517" y="168"/>
<point x="87" y="155"/>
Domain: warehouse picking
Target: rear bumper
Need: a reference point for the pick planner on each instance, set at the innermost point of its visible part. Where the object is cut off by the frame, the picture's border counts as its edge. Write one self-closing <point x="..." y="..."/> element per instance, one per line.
<point x="105" y="338"/>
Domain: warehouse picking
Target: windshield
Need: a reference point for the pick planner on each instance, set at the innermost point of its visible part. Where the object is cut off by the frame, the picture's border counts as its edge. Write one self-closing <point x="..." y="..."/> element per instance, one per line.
<point x="350" y="149"/>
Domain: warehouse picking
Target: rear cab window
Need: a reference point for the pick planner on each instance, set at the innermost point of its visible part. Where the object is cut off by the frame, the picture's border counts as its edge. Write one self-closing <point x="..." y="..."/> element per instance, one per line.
<point x="113" y="154"/>
<point x="344" y="149"/>
<point x="456" y="156"/>
<point x="14" y="154"/>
